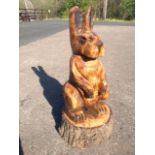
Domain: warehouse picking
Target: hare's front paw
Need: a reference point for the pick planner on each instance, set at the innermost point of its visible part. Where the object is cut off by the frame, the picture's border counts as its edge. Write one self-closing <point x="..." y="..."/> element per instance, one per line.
<point x="99" y="108"/>
<point x="79" y="116"/>
<point x="105" y="95"/>
<point x="89" y="94"/>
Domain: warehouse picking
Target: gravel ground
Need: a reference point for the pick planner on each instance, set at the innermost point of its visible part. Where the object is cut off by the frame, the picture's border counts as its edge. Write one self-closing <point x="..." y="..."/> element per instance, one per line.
<point x="41" y="90"/>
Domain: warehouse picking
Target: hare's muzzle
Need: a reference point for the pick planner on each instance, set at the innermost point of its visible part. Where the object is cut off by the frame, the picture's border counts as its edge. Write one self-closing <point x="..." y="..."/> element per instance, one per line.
<point x="99" y="43"/>
<point x="101" y="51"/>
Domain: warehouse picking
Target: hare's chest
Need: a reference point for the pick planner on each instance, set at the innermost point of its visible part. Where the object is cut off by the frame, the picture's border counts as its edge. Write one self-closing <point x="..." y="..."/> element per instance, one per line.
<point x="91" y="69"/>
<point x="92" y="72"/>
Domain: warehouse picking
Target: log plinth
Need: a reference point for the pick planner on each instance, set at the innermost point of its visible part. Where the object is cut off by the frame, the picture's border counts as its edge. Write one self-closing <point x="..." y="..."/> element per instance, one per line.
<point x="92" y="131"/>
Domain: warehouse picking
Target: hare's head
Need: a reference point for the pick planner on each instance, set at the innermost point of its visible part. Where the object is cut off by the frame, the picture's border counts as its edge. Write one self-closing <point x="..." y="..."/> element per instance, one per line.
<point x="83" y="40"/>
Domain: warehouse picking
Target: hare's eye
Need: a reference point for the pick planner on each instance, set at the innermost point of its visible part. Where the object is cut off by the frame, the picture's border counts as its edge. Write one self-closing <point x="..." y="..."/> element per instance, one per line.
<point x="82" y="39"/>
<point x="91" y="38"/>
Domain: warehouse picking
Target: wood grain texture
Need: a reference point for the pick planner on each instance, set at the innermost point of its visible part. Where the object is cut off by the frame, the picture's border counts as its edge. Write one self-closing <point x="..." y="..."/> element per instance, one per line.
<point x="87" y="85"/>
<point x="92" y="119"/>
<point x="84" y="137"/>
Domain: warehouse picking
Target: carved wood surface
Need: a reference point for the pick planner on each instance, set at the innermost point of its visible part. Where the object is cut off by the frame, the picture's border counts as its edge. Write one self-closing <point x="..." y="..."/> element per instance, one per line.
<point x="87" y="85"/>
<point x="92" y="120"/>
<point x="84" y="137"/>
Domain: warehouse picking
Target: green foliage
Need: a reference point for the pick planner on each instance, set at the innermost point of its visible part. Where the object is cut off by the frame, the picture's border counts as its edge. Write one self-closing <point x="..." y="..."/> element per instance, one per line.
<point x="113" y="9"/>
<point x="83" y="4"/>
<point x="71" y="3"/>
<point x="119" y="9"/>
<point x="63" y="10"/>
<point x="127" y="8"/>
<point x="122" y="9"/>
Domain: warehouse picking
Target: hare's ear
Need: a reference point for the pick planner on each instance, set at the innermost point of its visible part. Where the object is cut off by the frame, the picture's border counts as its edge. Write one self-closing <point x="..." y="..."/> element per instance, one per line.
<point x="88" y="18"/>
<point x="74" y="20"/>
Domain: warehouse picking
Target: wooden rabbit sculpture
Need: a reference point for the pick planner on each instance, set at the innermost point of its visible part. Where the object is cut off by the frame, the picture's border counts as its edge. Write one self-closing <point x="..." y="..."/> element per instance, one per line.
<point x="87" y="84"/>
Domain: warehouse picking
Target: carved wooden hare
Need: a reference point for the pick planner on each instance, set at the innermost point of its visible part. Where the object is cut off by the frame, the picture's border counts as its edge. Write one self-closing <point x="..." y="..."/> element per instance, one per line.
<point x="87" y="84"/>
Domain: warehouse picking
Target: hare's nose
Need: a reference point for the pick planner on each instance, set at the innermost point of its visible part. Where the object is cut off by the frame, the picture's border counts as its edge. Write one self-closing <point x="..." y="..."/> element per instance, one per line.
<point x="99" y="43"/>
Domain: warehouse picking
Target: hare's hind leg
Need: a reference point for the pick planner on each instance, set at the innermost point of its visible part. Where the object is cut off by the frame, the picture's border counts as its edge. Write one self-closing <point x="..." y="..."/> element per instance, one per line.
<point x="73" y="102"/>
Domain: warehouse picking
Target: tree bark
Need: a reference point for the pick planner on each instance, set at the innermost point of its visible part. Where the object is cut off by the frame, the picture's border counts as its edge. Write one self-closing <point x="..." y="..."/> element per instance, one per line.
<point x="105" y="4"/>
<point x="84" y="137"/>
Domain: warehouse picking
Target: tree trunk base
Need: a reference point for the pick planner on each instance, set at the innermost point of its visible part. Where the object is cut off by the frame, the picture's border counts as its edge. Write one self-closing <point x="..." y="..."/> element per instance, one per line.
<point x="84" y="137"/>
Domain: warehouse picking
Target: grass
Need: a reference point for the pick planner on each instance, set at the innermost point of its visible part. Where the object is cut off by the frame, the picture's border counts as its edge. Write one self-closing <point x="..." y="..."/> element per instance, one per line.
<point x="116" y="20"/>
<point x="97" y="20"/>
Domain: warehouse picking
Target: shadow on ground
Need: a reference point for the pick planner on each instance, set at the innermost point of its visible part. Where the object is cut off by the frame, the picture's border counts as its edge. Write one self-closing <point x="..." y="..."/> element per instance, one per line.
<point x="53" y="92"/>
<point x="20" y="148"/>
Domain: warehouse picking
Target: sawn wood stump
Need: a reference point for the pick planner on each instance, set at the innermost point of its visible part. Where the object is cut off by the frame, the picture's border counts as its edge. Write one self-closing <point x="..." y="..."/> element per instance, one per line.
<point x="89" y="134"/>
<point x="86" y="118"/>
